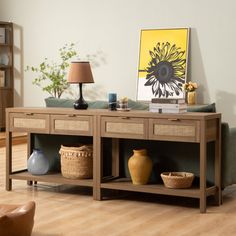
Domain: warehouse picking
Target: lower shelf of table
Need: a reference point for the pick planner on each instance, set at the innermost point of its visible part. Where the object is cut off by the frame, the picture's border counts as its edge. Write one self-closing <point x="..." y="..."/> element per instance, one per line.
<point x="117" y="184"/>
<point x="50" y="178"/>
<point x="125" y="184"/>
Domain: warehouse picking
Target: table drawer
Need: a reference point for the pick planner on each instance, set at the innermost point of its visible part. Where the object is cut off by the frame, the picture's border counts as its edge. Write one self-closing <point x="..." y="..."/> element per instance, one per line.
<point x="29" y="122"/>
<point x="174" y="130"/>
<point x="124" y="127"/>
<point x="72" y="124"/>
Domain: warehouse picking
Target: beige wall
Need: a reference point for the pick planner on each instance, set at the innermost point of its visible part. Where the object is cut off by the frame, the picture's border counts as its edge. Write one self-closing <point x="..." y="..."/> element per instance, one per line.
<point x="110" y="30"/>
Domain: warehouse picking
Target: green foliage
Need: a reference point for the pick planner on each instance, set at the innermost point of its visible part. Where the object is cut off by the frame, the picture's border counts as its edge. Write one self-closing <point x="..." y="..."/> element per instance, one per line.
<point x="54" y="73"/>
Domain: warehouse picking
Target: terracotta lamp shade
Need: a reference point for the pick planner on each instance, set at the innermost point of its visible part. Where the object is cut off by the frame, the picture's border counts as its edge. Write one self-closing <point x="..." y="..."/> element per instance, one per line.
<point x="80" y="72"/>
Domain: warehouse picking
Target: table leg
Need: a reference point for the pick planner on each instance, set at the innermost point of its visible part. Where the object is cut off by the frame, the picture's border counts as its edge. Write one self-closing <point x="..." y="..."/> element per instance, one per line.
<point x="203" y="155"/>
<point x="8" y="160"/>
<point x="218" y="195"/>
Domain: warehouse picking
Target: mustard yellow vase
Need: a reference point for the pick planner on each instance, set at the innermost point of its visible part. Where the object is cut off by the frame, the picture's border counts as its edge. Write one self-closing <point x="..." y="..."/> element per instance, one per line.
<point x="140" y="167"/>
<point x="191" y="98"/>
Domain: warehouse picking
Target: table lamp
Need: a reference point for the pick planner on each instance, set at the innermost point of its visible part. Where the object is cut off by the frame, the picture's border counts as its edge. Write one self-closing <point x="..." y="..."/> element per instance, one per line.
<point x="80" y="72"/>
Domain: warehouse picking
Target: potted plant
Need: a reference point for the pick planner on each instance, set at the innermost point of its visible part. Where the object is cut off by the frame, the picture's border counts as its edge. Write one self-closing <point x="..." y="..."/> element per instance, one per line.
<point x="51" y="76"/>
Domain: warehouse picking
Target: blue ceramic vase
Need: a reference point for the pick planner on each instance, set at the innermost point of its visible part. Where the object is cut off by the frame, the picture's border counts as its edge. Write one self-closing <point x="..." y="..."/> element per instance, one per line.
<point x="38" y="163"/>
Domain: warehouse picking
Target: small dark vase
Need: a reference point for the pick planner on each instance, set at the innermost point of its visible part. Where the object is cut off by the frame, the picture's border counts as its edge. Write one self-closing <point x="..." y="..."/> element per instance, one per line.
<point x="38" y="163"/>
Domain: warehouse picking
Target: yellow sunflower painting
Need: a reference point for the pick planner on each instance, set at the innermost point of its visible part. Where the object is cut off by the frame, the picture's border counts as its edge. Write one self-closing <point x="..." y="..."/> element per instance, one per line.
<point x="162" y="63"/>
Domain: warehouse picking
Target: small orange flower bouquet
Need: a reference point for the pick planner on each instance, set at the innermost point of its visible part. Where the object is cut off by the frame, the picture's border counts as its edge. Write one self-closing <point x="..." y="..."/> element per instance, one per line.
<point x="190" y="86"/>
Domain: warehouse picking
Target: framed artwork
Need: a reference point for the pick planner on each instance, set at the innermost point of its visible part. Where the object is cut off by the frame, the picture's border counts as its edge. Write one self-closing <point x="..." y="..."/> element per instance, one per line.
<point x="162" y="67"/>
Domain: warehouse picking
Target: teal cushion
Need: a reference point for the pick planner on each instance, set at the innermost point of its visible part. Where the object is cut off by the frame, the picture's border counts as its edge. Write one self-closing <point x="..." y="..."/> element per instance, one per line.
<point x="134" y="105"/>
<point x="97" y="104"/>
<point x="202" y="108"/>
<point x="62" y="102"/>
<point x="137" y="105"/>
<point x="58" y="102"/>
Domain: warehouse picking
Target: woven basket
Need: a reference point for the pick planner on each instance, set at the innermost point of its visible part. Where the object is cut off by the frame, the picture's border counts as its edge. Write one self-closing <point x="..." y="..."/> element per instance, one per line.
<point x="177" y="179"/>
<point x="77" y="162"/>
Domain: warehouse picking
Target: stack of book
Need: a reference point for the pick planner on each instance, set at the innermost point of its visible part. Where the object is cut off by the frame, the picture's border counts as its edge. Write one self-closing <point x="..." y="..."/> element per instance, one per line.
<point x="168" y="105"/>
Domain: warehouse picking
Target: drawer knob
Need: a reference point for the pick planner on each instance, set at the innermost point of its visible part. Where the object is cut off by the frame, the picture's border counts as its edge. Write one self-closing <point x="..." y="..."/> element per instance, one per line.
<point x="29" y="114"/>
<point x="71" y="115"/>
<point x="125" y="118"/>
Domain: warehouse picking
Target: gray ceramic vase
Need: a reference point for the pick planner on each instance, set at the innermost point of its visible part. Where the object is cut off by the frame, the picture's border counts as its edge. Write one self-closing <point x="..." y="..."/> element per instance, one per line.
<point x="38" y="163"/>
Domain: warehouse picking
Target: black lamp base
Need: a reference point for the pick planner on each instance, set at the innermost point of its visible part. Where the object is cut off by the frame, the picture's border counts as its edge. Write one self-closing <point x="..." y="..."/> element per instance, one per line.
<point x="80" y="104"/>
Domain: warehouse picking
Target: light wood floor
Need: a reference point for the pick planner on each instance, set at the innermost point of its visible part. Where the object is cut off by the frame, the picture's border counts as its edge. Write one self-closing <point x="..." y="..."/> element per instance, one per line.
<point x="72" y="211"/>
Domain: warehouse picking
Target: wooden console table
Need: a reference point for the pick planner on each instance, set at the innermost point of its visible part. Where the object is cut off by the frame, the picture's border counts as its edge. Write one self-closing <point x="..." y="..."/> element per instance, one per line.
<point x="189" y="127"/>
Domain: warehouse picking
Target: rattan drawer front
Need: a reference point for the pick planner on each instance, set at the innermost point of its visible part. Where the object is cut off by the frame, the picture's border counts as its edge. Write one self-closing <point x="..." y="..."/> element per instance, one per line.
<point x="29" y="122"/>
<point x="124" y="127"/>
<point x="71" y="124"/>
<point x="174" y="130"/>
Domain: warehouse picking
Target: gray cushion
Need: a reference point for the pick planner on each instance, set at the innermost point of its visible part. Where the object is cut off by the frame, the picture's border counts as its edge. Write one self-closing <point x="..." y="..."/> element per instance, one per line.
<point x="69" y="103"/>
<point x="137" y="105"/>
<point x="97" y="104"/>
<point x="134" y="105"/>
<point x="202" y="108"/>
<point x="58" y="102"/>
<point x="62" y="102"/>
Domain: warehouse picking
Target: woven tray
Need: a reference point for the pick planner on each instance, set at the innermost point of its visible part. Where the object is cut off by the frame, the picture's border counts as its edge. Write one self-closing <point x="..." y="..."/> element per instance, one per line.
<point x="77" y="162"/>
<point x="177" y="179"/>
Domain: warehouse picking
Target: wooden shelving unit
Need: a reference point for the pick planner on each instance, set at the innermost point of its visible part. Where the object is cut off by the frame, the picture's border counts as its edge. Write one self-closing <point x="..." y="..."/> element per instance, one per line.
<point x="6" y="69"/>
<point x="199" y="128"/>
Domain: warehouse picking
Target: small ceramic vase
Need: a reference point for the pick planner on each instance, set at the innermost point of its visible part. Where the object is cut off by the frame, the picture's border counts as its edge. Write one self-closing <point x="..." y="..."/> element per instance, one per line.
<point x="191" y="98"/>
<point x="140" y="167"/>
<point x="38" y="163"/>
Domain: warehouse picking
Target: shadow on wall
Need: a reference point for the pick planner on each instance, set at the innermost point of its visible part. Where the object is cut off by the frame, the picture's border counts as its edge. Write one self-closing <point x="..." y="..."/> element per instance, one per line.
<point x="95" y="92"/>
<point x="18" y="65"/>
<point x="227" y="102"/>
<point x="91" y="92"/>
<point x="196" y="70"/>
<point x="97" y="59"/>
